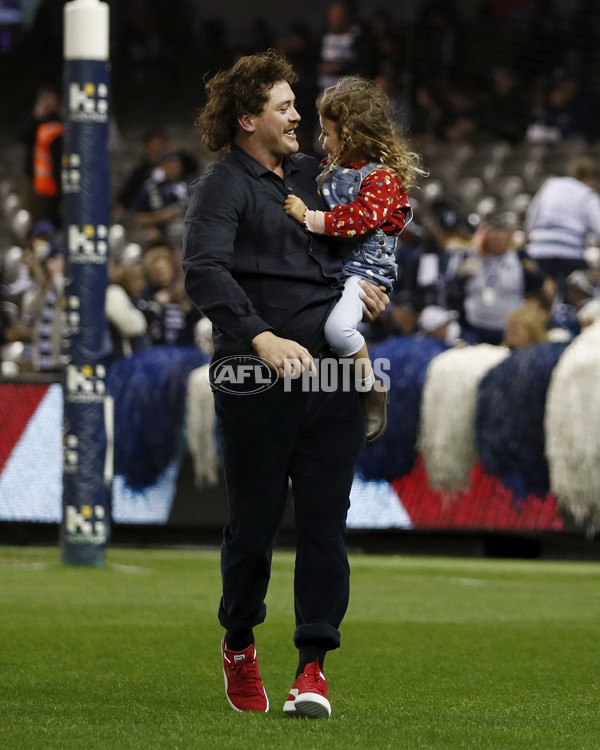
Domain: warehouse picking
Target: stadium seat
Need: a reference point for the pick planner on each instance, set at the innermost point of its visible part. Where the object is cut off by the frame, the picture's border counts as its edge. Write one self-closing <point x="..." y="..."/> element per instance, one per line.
<point x="509" y="185"/>
<point x="469" y="189"/>
<point x="10" y="205"/>
<point x="486" y="206"/>
<point x="20" y="224"/>
<point x="432" y="190"/>
<point x="519" y="203"/>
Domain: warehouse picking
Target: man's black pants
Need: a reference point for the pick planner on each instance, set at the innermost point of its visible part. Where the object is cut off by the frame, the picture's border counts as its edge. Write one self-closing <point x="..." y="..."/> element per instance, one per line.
<point x="267" y="440"/>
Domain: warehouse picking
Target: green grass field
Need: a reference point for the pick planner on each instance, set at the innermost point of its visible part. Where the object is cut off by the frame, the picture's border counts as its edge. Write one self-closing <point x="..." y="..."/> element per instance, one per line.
<point x="436" y="653"/>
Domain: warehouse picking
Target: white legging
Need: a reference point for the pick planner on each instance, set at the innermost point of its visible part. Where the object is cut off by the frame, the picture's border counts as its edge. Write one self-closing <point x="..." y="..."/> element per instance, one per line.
<point x="341" y="327"/>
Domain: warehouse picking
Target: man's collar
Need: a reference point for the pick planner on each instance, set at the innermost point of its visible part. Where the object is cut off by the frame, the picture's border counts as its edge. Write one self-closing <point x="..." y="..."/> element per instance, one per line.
<point x="257" y="169"/>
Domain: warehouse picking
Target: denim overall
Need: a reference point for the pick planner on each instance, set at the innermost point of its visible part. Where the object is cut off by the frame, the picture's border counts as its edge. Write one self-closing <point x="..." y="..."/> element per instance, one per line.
<point x="370" y="256"/>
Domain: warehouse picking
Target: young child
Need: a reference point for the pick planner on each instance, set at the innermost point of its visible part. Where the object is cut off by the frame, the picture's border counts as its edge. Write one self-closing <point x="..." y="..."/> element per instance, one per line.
<point x="364" y="181"/>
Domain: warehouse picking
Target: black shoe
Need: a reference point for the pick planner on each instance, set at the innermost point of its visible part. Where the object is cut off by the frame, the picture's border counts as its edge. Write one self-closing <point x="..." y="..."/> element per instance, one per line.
<point x="376" y="407"/>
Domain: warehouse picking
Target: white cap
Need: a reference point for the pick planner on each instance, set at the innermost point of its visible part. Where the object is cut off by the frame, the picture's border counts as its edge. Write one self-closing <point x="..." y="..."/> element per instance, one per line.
<point x="433" y="317"/>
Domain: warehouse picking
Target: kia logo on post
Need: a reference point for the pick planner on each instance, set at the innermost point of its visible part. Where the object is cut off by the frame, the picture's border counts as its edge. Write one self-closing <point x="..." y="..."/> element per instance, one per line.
<point x="242" y="375"/>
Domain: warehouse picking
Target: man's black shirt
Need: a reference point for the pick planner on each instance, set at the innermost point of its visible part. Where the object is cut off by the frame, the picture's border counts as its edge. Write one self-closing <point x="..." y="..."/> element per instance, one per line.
<point x="249" y="267"/>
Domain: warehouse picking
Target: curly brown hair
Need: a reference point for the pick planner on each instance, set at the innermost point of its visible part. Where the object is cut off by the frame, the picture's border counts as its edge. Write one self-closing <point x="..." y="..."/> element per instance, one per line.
<point x="242" y="89"/>
<point x="363" y="116"/>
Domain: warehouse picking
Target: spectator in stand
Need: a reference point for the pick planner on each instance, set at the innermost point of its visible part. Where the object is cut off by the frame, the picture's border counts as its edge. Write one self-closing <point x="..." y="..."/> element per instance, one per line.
<point x="42" y="311"/>
<point x="561" y="321"/>
<point x="171" y="316"/>
<point x="567" y="111"/>
<point x="541" y="300"/>
<point x="46" y="101"/>
<point x="424" y="257"/>
<point x="21" y="273"/>
<point x="486" y="284"/>
<point x="25" y="277"/>
<point x="156" y="143"/>
<point x="398" y="319"/>
<point x="346" y="46"/>
<point x="43" y="139"/>
<point x="524" y="326"/>
<point x="559" y="218"/>
<point x="162" y="201"/>
<point x="439" y="323"/>
<point x="402" y="316"/>
<point x="579" y="290"/>
<point x="127" y="321"/>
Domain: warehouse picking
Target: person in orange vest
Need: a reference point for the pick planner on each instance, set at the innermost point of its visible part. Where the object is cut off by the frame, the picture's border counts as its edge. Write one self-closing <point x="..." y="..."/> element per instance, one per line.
<point x="47" y="165"/>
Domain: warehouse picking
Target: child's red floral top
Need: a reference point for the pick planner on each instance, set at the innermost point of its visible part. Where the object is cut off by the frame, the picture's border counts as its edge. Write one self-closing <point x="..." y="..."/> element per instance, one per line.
<point x="380" y="202"/>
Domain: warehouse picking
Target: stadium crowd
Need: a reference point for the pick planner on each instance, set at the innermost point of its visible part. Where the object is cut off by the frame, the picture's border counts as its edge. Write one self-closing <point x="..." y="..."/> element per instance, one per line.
<point x="500" y="104"/>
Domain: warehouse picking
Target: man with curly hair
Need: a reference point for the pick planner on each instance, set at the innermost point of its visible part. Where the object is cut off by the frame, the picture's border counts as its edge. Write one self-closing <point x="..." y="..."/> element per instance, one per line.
<point x="268" y="287"/>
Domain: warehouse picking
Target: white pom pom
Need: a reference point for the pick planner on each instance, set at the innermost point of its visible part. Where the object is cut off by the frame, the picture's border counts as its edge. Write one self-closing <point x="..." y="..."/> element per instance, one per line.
<point x="200" y="428"/>
<point x="572" y="428"/>
<point x="447" y="430"/>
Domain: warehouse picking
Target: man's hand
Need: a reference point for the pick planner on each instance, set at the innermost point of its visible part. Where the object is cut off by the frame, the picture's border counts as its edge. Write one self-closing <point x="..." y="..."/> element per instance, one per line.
<point x="287" y="356"/>
<point x="295" y="207"/>
<point x="375" y="300"/>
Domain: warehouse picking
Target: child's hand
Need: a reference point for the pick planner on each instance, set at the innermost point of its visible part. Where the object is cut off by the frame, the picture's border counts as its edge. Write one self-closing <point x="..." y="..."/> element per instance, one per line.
<point x="295" y="207"/>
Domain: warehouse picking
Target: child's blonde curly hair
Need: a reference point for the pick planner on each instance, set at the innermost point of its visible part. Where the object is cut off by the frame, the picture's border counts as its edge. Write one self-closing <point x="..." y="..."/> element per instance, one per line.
<point x="362" y="114"/>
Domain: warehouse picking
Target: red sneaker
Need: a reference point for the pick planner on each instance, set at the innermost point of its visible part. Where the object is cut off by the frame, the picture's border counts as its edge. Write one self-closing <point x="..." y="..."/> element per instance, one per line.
<point x="243" y="685"/>
<point x="308" y="695"/>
